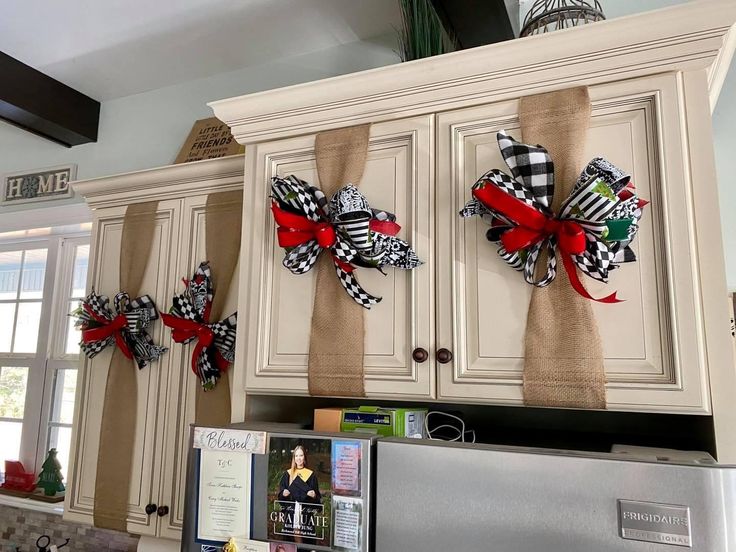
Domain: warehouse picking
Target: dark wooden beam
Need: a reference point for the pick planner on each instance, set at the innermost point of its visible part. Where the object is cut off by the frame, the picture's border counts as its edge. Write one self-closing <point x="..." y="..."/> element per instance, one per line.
<point x="475" y="23"/>
<point x="44" y="106"/>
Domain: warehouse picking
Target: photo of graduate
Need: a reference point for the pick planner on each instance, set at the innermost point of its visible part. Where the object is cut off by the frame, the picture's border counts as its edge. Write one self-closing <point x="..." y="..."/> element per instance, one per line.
<point x="300" y="490"/>
<point x="299" y="483"/>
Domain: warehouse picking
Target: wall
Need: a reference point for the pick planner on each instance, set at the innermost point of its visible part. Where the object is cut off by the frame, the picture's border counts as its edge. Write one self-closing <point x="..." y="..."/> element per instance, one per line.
<point x="724" y="131"/>
<point x="21" y="528"/>
<point x="146" y="130"/>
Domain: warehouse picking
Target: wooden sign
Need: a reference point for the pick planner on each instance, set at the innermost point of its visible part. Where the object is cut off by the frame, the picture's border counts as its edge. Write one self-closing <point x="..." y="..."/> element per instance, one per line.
<point x="208" y="139"/>
<point x="38" y="185"/>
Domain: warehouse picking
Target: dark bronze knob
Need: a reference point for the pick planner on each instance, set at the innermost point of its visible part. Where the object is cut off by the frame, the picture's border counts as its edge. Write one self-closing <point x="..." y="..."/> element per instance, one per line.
<point x="162" y="511"/>
<point x="443" y="356"/>
<point x="150" y="508"/>
<point x="419" y="354"/>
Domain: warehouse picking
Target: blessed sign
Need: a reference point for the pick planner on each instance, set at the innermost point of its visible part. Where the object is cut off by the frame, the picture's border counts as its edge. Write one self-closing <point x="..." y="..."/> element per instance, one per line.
<point x="230" y="440"/>
<point x="38" y="185"/>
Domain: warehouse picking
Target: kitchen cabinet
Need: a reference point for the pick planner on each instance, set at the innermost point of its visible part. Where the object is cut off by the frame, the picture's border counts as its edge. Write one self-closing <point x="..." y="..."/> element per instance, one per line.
<point x="654" y="79"/>
<point x="650" y="340"/>
<point x="166" y="388"/>
<point x="276" y="307"/>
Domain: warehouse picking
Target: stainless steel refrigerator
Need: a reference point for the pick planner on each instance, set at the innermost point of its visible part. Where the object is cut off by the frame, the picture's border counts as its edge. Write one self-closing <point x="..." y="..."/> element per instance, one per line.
<point x="433" y="496"/>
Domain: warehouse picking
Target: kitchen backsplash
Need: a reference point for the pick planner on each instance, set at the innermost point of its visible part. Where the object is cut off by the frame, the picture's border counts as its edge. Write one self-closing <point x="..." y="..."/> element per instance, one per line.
<point x="20" y="528"/>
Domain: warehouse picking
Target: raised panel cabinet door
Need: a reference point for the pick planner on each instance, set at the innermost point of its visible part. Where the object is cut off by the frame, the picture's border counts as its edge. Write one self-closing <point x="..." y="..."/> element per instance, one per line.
<point x="148" y="446"/>
<point x="275" y="306"/>
<point x="178" y="403"/>
<point x="653" y="341"/>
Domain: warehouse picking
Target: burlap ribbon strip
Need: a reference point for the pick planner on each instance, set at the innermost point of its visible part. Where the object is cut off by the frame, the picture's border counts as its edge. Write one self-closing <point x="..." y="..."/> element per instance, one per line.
<point x="337" y="334"/>
<point x="223" y="219"/>
<point x="564" y="355"/>
<point x="118" y="425"/>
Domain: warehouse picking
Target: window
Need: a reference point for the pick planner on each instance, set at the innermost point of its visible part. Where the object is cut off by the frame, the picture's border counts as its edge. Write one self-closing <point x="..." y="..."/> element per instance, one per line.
<point x="41" y="281"/>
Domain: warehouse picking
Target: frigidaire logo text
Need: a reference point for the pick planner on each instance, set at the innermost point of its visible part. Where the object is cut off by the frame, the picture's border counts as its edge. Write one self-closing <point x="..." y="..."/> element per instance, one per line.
<point x="651" y="522"/>
<point x="656" y="518"/>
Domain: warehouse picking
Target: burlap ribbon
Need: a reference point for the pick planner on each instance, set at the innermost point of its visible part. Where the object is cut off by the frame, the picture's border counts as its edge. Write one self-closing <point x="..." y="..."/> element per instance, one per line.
<point x="223" y="219"/>
<point x="118" y="425"/>
<point x="564" y="355"/>
<point x="337" y="334"/>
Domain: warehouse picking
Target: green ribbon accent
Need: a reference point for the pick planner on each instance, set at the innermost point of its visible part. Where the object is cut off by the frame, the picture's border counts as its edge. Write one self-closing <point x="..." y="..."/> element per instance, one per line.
<point x="618" y="230"/>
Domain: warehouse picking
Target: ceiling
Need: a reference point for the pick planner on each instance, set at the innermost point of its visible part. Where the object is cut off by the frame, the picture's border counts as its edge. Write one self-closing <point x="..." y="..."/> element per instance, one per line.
<point x="114" y="48"/>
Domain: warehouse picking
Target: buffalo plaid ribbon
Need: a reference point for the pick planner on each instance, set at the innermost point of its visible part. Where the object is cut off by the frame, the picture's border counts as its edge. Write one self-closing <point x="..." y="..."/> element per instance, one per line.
<point x="188" y="319"/>
<point x="593" y="229"/>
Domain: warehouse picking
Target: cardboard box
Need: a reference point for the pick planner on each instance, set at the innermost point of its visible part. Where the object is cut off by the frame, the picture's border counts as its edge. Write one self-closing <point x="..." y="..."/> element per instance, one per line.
<point x="327" y="419"/>
<point x="389" y="422"/>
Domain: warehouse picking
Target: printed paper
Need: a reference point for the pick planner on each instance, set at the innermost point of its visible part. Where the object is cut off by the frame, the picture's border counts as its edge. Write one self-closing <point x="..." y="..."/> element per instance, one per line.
<point x="224" y="495"/>
<point x="348" y="513"/>
<point x="346" y="467"/>
<point x="300" y="490"/>
<point x="234" y="440"/>
<point x="247" y="545"/>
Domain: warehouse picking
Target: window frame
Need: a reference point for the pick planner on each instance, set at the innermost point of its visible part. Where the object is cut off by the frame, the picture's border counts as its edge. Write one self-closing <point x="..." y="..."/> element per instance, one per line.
<point x="50" y="354"/>
<point x="56" y="356"/>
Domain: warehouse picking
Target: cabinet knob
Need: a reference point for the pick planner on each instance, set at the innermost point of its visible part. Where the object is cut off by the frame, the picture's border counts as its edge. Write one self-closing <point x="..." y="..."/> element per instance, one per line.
<point x="443" y="356"/>
<point x="150" y="508"/>
<point x="162" y="511"/>
<point x="419" y="354"/>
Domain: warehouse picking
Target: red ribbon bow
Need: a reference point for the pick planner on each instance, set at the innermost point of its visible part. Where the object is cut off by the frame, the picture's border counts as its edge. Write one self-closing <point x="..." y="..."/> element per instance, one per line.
<point x="534" y="226"/>
<point x="294" y="230"/>
<point x="109" y="327"/>
<point x="184" y="330"/>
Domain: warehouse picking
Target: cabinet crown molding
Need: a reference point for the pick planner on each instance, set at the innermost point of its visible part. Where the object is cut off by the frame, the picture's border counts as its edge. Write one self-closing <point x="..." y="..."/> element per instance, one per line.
<point x="693" y="36"/>
<point x="161" y="182"/>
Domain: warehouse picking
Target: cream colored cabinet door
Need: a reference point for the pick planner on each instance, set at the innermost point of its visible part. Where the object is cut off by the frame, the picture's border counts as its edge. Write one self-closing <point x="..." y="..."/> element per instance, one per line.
<point x="654" y="341"/>
<point x="275" y="306"/>
<point x="148" y="449"/>
<point x="177" y="403"/>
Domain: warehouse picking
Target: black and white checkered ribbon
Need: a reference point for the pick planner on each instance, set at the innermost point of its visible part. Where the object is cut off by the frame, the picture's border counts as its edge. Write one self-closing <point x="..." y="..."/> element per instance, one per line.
<point x="601" y="195"/>
<point x="189" y="320"/>
<point x="356" y="243"/>
<point x="94" y="315"/>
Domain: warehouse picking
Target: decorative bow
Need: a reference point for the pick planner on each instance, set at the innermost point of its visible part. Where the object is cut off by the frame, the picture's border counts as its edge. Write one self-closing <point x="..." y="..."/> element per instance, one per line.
<point x="189" y="318"/>
<point x="126" y="326"/>
<point x="593" y="229"/>
<point x="346" y="225"/>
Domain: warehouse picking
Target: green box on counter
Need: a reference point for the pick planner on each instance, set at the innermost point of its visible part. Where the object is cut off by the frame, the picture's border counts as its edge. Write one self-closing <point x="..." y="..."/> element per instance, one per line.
<point x="389" y="422"/>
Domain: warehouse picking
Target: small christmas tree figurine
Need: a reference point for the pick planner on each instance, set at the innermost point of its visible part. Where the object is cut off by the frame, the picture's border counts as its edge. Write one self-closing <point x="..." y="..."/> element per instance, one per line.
<point x="50" y="477"/>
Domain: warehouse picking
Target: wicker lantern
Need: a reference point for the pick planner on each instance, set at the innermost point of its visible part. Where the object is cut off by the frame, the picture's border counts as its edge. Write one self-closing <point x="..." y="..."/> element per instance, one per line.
<point x="551" y="15"/>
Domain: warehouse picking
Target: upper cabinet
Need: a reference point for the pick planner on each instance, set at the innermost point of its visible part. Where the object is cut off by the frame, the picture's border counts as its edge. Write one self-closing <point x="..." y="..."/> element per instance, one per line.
<point x="651" y="339"/>
<point x="653" y="79"/>
<point x="166" y="388"/>
<point x="276" y="306"/>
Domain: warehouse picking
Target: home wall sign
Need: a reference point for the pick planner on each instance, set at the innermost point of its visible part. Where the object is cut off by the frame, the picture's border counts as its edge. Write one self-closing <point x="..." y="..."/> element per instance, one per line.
<point x="38" y="185"/>
<point x="208" y="139"/>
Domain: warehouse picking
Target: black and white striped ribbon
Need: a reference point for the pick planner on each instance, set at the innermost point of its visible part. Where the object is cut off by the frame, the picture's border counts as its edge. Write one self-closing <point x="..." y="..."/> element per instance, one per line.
<point x="355" y="243"/>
